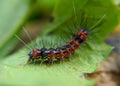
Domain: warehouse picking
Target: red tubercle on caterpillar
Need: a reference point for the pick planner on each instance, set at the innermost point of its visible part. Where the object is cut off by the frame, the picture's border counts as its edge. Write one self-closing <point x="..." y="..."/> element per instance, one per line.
<point x="67" y="53"/>
<point x="35" y="53"/>
<point x="80" y="33"/>
<point x="59" y="55"/>
<point x="51" y="55"/>
<point x="71" y="48"/>
<point x="75" y="44"/>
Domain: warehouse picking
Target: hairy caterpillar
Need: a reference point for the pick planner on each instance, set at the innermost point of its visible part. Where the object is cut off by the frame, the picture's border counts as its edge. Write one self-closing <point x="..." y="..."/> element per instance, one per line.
<point x="44" y="55"/>
<point x="59" y="53"/>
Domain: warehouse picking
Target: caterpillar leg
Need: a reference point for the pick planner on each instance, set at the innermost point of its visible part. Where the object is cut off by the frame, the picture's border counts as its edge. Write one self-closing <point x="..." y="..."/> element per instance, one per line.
<point x="50" y="62"/>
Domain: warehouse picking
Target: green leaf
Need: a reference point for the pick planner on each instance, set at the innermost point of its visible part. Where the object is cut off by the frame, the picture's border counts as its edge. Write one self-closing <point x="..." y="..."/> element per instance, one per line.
<point x="13" y="13"/>
<point x="36" y="76"/>
<point x="68" y="73"/>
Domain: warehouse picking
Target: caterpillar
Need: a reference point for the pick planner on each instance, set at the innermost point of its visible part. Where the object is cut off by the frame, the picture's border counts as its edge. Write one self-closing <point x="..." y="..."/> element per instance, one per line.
<point x="60" y="53"/>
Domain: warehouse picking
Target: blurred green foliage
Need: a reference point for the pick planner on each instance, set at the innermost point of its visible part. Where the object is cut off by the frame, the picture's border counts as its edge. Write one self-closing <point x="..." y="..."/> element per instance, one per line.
<point x="13" y="14"/>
